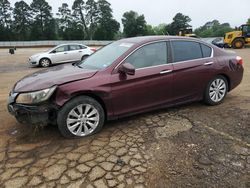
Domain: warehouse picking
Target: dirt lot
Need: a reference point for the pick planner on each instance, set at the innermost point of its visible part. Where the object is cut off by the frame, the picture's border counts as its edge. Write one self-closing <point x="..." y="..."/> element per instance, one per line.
<point x="188" y="146"/>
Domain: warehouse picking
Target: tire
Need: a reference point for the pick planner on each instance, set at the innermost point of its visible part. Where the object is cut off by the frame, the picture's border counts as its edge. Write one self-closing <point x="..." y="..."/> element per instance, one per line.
<point x="74" y="124"/>
<point x="238" y="43"/>
<point x="216" y="91"/>
<point x="84" y="57"/>
<point x="45" y="62"/>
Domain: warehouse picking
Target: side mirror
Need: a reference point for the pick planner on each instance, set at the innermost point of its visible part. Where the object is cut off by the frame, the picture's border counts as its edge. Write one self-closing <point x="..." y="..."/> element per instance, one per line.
<point x="53" y="52"/>
<point x="127" y="68"/>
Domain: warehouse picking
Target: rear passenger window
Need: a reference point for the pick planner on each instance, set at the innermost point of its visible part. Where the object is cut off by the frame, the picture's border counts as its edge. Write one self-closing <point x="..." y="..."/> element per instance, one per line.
<point x="186" y="50"/>
<point x="74" y="47"/>
<point x="82" y="47"/>
<point x="206" y="50"/>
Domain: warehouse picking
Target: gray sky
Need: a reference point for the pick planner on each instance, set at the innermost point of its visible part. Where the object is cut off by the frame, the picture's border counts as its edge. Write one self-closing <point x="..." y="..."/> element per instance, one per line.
<point x="162" y="11"/>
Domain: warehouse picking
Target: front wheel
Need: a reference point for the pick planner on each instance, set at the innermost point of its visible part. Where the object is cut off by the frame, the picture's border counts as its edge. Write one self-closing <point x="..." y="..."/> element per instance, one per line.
<point x="216" y="90"/>
<point x="238" y="43"/>
<point x="45" y="62"/>
<point x="80" y="117"/>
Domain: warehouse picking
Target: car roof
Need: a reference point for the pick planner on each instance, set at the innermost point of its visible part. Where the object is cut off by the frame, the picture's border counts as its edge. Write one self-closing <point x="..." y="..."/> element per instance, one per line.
<point x="145" y="39"/>
<point x="71" y="44"/>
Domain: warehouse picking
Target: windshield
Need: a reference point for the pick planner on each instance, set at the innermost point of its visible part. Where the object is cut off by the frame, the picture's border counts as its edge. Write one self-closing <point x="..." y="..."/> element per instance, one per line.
<point x="106" y="56"/>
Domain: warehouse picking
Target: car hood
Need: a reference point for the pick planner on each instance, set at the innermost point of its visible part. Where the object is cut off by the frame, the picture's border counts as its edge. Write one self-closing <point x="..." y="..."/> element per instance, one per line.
<point x="52" y="76"/>
<point x="38" y="54"/>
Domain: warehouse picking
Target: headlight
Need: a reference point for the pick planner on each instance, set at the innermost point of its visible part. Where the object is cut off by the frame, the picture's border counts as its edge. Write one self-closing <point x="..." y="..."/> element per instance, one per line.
<point x="35" y="97"/>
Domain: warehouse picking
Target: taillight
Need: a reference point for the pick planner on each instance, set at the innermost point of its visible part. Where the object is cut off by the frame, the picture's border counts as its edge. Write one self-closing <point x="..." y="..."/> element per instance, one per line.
<point x="239" y="60"/>
<point x="93" y="49"/>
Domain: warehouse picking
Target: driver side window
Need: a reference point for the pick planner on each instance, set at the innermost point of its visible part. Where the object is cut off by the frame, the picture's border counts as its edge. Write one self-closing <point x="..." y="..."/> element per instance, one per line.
<point x="149" y="55"/>
<point x="61" y="49"/>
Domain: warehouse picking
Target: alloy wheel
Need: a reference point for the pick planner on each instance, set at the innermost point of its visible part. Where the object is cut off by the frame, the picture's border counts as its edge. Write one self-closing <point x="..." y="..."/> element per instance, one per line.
<point x="83" y="120"/>
<point x="45" y="63"/>
<point x="217" y="90"/>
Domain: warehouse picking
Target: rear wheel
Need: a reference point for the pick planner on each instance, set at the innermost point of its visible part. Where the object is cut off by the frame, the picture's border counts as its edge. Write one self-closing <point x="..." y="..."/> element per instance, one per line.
<point x="216" y="90"/>
<point x="238" y="43"/>
<point x="45" y="62"/>
<point x="80" y="117"/>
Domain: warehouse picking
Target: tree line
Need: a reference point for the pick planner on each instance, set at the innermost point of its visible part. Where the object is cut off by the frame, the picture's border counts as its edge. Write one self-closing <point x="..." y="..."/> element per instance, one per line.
<point x="87" y="20"/>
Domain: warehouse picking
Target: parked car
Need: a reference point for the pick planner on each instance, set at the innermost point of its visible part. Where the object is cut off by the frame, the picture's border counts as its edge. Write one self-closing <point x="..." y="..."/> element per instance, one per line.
<point x="218" y="42"/>
<point x="63" y="53"/>
<point x="129" y="76"/>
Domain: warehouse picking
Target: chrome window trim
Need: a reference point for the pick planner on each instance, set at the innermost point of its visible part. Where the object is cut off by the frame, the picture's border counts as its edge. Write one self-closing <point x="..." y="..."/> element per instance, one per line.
<point x="166" y="40"/>
<point x="179" y="62"/>
<point x="154" y="66"/>
<point x="175" y="63"/>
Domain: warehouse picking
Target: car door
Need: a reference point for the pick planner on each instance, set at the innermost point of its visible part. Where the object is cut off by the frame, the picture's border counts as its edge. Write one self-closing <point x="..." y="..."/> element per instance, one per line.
<point x="75" y="52"/>
<point x="192" y="64"/>
<point x="150" y="87"/>
<point x="60" y="54"/>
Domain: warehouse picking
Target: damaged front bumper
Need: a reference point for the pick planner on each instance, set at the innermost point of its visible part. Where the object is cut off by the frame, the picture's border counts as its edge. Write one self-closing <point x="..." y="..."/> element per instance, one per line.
<point x="34" y="114"/>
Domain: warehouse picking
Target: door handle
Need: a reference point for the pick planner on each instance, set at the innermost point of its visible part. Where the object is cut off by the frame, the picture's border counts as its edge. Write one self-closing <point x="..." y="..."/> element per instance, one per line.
<point x="208" y="63"/>
<point x="166" y="71"/>
<point x="65" y="53"/>
<point x="79" y="51"/>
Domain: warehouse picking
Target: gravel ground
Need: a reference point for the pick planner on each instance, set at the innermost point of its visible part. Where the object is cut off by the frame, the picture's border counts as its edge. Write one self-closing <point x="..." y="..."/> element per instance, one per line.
<point x="192" y="145"/>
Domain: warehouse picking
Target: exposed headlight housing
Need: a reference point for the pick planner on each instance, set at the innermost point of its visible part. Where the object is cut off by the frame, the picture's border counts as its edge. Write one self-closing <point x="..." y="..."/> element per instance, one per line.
<point x="35" y="97"/>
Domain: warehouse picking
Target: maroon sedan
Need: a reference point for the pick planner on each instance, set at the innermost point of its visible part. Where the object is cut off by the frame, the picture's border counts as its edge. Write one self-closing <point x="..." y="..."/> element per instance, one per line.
<point x="127" y="77"/>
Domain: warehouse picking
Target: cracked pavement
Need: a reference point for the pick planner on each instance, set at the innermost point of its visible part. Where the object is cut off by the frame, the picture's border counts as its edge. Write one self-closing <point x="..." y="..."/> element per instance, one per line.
<point x="192" y="145"/>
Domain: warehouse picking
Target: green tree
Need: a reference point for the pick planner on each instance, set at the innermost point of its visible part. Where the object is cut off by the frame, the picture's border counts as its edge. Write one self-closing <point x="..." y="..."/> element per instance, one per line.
<point x="222" y="29"/>
<point x="43" y="26"/>
<point x="213" y="29"/>
<point x="5" y="13"/>
<point x="65" y="22"/>
<point x="86" y="15"/>
<point x="150" y="30"/>
<point x="65" y="17"/>
<point x="75" y="32"/>
<point x="79" y="13"/>
<point x="160" y="29"/>
<point x="180" y="21"/>
<point x="156" y="30"/>
<point x="107" y="26"/>
<point x="22" y="19"/>
<point x="248" y="21"/>
<point x="5" y="21"/>
<point x="134" y="24"/>
<point x="91" y="16"/>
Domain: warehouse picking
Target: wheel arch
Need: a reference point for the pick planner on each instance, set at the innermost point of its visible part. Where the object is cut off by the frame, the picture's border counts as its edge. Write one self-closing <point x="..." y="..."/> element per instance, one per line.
<point x="44" y="57"/>
<point x="92" y="95"/>
<point x="228" y="80"/>
<point x="85" y="55"/>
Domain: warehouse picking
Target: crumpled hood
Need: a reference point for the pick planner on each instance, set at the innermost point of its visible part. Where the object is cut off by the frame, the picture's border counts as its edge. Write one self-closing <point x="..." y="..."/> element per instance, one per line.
<point x="52" y="76"/>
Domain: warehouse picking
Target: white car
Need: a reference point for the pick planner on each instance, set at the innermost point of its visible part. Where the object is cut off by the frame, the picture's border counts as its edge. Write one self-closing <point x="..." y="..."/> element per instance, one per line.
<point x="61" y="54"/>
